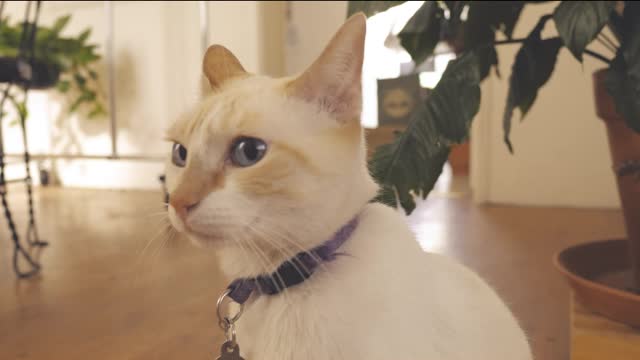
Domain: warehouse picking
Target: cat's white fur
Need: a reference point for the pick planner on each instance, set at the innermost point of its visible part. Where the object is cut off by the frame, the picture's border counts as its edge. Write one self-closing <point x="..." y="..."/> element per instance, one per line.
<point x="386" y="299"/>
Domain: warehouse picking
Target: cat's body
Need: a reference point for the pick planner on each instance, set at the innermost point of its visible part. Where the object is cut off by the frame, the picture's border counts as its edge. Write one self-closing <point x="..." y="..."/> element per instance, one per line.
<point x="266" y="168"/>
<point x="387" y="299"/>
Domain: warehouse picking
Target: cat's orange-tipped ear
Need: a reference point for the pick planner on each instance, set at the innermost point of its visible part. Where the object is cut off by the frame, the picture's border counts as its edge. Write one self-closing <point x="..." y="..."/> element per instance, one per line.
<point x="220" y="64"/>
<point x="333" y="80"/>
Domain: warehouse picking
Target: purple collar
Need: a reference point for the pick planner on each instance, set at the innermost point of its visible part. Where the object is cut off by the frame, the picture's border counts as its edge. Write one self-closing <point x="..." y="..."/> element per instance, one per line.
<point x="293" y="271"/>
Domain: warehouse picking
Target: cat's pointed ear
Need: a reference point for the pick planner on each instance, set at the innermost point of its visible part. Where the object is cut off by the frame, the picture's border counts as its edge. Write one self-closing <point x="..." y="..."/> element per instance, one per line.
<point x="220" y="64"/>
<point x="333" y="81"/>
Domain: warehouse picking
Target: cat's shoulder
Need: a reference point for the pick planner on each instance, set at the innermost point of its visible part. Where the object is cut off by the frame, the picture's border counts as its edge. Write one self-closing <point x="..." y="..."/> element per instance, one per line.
<point x="383" y="215"/>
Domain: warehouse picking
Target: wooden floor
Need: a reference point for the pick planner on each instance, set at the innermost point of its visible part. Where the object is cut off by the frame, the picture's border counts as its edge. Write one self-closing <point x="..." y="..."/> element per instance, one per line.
<point x="101" y="296"/>
<point x="594" y="337"/>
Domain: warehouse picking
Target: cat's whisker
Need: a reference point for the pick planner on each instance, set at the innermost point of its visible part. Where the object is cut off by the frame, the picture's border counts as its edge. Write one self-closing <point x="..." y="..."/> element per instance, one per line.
<point x="242" y="247"/>
<point x="274" y="231"/>
<point x="266" y="263"/>
<point x="165" y="227"/>
<point x="268" y="237"/>
<point x="264" y="270"/>
<point x="151" y="210"/>
<point x="163" y="232"/>
<point x="153" y="257"/>
<point x="170" y="235"/>
<point x="320" y="263"/>
<point x="283" y="250"/>
<point x="282" y="233"/>
<point x="260" y="235"/>
<point x="271" y="267"/>
<point x="159" y="249"/>
<point x="156" y="214"/>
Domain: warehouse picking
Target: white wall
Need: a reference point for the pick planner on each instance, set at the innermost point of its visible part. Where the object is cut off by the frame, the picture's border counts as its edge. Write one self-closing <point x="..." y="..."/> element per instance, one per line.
<point x="561" y="153"/>
<point x="158" y="56"/>
<point x="310" y="27"/>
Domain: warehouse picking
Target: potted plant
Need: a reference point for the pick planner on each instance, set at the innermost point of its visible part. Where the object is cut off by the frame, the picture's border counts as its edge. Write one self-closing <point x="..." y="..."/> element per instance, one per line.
<point x="605" y="275"/>
<point x="39" y="57"/>
<point x="65" y="63"/>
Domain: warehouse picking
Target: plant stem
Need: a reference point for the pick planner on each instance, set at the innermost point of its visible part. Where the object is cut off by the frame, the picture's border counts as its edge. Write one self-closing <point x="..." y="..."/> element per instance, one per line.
<point x="606" y="44"/>
<point x="521" y="40"/>
<point x="608" y="39"/>
<point x="597" y="56"/>
<point x="510" y="41"/>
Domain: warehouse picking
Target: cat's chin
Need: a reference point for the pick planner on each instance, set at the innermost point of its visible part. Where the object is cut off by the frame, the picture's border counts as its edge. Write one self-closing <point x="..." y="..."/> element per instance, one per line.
<point x="205" y="240"/>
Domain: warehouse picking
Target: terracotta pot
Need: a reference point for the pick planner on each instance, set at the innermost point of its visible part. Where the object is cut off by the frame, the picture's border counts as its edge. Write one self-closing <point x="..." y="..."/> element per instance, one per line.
<point x="624" y="144"/>
<point x="459" y="159"/>
<point x="605" y="275"/>
<point x="597" y="272"/>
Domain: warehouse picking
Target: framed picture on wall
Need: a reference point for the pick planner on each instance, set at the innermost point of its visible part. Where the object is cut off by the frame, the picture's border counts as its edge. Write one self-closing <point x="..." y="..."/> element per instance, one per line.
<point x="397" y="99"/>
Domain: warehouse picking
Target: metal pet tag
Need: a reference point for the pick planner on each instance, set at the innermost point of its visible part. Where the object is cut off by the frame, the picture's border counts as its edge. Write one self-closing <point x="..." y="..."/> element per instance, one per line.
<point x="229" y="351"/>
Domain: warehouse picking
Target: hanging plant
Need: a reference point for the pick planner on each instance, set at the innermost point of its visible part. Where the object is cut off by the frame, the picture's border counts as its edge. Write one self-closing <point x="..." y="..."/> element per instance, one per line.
<point x="66" y="64"/>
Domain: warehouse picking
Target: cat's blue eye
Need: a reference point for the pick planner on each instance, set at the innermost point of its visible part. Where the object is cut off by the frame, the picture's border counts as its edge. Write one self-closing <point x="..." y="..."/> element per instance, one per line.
<point x="247" y="151"/>
<point x="179" y="155"/>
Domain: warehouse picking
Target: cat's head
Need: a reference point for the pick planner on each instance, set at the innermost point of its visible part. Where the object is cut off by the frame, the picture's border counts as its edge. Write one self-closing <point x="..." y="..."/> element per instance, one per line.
<point x="273" y="164"/>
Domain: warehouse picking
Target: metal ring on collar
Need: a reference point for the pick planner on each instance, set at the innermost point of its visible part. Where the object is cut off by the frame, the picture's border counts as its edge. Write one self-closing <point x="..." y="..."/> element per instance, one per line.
<point x="226" y="322"/>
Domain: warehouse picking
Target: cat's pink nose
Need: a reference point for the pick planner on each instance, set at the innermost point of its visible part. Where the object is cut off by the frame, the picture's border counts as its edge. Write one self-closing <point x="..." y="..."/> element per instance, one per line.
<point x="182" y="207"/>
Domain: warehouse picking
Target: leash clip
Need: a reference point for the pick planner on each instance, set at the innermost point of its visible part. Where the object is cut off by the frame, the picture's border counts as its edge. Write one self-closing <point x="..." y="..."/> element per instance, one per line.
<point x="228" y="323"/>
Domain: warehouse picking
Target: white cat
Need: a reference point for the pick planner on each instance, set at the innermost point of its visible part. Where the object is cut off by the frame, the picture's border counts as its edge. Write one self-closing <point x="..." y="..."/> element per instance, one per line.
<point x="266" y="168"/>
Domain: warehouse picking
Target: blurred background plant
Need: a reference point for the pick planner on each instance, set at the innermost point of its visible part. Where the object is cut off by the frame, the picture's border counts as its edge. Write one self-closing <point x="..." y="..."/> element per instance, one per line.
<point x="69" y="61"/>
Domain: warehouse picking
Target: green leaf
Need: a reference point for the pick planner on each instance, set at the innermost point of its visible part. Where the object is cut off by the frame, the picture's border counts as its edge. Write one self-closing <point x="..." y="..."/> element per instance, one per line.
<point x="455" y="100"/>
<point x="89" y="95"/>
<point x="623" y="77"/>
<point x="21" y="108"/>
<point x="427" y="170"/>
<point x="63" y="86"/>
<point x="484" y="18"/>
<point x="498" y="15"/>
<point x="422" y="33"/>
<point x="579" y="22"/>
<point x="97" y="111"/>
<point x="531" y="69"/>
<point x="44" y="35"/>
<point x="60" y="23"/>
<point x="76" y="104"/>
<point x="487" y="58"/>
<point x="370" y="8"/>
<point x="411" y="165"/>
<point x="80" y="80"/>
<point x="507" y="17"/>
<point x="84" y="36"/>
<point x="85" y="96"/>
